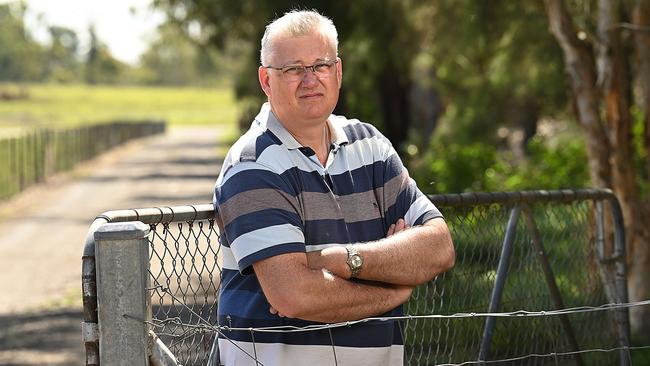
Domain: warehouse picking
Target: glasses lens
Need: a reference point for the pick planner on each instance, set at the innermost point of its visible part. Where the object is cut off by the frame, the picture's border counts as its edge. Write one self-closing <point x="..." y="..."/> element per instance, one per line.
<point x="321" y="70"/>
<point x="294" y="72"/>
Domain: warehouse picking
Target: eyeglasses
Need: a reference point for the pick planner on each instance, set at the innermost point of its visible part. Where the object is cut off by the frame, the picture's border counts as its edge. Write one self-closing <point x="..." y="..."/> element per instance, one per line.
<point x="322" y="70"/>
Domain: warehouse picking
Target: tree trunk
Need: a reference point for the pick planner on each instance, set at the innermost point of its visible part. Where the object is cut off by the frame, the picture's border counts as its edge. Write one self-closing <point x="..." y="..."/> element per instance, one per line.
<point x="641" y="20"/>
<point x="609" y="145"/>
<point x="582" y="78"/>
<point x="640" y="268"/>
<point x="394" y="91"/>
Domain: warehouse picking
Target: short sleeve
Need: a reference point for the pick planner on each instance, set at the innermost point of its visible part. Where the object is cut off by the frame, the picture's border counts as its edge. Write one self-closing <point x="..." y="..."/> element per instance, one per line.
<point x="402" y="197"/>
<point x="259" y="214"/>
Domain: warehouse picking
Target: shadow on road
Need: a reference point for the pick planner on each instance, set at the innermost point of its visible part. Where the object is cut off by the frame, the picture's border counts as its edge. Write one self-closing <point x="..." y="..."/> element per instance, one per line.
<point x="41" y="338"/>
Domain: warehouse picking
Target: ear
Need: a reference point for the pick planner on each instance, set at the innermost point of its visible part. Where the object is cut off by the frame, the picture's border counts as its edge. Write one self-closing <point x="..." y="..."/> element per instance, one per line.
<point x="263" y="76"/>
<point x="339" y="71"/>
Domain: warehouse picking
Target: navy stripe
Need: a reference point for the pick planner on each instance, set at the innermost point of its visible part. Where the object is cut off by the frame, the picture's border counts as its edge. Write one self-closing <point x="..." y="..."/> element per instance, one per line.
<point x="367" y="177"/>
<point x="362" y="179"/>
<point x="232" y="280"/>
<point x="370" y="334"/>
<point x="429" y="215"/>
<point x="392" y="167"/>
<point x="306" y="181"/>
<point x="337" y="231"/>
<point x="362" y="231"/>
<point x="326" y="231"/>
<point x="246" y="262"/>
<point x="258" y="220"/>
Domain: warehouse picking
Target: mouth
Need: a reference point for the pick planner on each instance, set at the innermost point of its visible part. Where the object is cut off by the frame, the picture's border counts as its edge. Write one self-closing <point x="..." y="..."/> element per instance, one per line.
<point x="311" y="96"/>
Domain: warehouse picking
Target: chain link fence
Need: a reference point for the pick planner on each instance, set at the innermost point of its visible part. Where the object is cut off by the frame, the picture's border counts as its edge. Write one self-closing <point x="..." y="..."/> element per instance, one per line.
<point x="534" y="251"/>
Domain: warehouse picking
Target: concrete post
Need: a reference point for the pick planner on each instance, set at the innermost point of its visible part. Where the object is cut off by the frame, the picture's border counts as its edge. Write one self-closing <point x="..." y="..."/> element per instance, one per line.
<point x="122" y="258"/>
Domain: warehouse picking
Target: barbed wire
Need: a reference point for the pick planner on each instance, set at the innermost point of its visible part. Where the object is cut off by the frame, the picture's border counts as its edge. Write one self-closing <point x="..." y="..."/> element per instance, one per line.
<point x="220" y="329"/>
<point x="317" y="327"/>
<point x="553" y="354"/>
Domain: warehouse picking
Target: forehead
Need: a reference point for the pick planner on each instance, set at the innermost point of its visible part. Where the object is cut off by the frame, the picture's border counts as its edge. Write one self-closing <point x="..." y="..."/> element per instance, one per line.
<point x="302" y="49"/>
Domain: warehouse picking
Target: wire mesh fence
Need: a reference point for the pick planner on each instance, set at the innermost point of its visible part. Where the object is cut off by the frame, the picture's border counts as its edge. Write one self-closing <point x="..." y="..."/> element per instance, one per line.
<point x="185" y="272"/>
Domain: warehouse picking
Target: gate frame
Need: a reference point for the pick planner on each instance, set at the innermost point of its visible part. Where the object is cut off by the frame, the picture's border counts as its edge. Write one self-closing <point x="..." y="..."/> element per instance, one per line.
<point x="615" y="283"/>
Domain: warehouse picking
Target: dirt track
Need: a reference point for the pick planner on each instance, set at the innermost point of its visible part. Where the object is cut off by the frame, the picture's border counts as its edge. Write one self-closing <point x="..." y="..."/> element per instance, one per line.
<point x="42" y="233"/>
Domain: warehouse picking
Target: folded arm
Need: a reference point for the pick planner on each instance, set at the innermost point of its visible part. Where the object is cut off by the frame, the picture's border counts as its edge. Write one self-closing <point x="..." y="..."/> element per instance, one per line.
<point x="409" y="257"/>
<point x="297" y="291"/>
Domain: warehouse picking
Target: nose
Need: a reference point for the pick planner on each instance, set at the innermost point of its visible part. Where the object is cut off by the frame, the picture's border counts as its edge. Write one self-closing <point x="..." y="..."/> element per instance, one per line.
<point x="310" y="77"/>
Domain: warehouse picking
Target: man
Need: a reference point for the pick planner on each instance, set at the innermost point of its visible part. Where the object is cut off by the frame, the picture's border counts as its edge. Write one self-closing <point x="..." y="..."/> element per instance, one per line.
<point x="320" y="222"/>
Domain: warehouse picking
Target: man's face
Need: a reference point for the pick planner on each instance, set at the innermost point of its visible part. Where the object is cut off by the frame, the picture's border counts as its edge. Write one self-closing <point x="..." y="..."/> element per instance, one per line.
<point x="310" y="99"/>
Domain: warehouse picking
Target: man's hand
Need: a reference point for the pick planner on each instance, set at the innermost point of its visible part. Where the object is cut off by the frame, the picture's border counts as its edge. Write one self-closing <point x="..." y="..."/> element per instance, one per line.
<point x="407" y="256"/>
<point x="334" y="259"/>
<point x="400" y="291"/>
<point x="316" y="260"/>
<point x="395" y="228"/>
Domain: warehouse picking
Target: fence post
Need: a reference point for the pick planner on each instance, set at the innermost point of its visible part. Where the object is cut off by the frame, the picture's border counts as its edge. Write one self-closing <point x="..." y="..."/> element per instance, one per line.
<point x="123" y="303"/>
<point x="500" y="282"/>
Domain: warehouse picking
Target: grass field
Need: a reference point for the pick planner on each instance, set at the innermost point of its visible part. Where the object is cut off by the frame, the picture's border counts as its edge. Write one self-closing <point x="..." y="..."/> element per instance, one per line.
<point x="52" y="105"/>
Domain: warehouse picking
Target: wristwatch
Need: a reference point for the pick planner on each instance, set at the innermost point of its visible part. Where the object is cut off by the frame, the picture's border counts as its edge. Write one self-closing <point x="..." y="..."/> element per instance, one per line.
<point x="354" y="261"/>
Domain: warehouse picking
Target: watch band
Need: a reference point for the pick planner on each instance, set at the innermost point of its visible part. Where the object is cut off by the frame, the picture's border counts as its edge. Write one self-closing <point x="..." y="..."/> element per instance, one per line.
<point x="354" y="261"/>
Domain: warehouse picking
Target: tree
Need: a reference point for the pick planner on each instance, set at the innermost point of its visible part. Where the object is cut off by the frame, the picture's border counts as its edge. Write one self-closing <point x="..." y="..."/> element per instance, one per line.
<point x="175" y="58"/>
<point x="377" y="40"/>
<point x="495" y="65"/>
<point x="101" y="66"/>
<point x="21" y="58"/>
<point x="598" y="65"/>
<point x="63" y="64"/>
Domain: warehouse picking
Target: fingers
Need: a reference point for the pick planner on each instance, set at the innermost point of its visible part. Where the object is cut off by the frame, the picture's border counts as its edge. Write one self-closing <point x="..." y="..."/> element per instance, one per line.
<point x="400" y="225"/>
<point x="275" y="312"/>
<point x="395" y="228"/>
<point x="391" y="230"/>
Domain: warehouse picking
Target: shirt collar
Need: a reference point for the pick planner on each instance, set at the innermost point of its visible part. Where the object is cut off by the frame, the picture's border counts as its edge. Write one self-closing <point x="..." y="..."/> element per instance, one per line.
<point x="267" y="118"/>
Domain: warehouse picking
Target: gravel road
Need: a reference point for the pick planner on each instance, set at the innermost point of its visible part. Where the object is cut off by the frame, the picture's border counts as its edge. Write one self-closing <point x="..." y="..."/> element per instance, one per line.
<point x="42" y="233"/>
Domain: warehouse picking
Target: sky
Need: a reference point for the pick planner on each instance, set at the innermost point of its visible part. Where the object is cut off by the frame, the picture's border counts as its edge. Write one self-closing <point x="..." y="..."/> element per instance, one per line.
<point x="125" y="26"/>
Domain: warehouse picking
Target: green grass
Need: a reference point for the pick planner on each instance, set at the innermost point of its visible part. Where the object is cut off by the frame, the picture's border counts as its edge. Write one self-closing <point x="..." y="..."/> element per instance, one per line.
<point x="53" y="105"/>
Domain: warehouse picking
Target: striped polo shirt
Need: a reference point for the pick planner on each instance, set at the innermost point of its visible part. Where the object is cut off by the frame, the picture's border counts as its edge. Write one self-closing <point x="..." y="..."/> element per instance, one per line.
<point x="272" y="197"/>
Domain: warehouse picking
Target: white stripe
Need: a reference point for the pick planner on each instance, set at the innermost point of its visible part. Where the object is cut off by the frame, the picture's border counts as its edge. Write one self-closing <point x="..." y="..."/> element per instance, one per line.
<point x="256" y="240"/>
<point x="361" y="153"/>
<point x="420" y="206"/>
<point x="288" y="354"/>
<point x="228" y="259"/>
<point x="278" y="158"/>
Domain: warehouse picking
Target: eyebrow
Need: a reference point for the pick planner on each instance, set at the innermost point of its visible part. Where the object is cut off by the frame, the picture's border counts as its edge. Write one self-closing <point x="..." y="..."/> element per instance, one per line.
<point x="296" y="62"/>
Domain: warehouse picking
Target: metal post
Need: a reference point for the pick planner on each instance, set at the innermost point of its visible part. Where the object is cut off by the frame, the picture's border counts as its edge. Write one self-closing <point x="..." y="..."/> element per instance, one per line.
<point x="502" y="273"/>
<point x="122" y="258"/>
<point x="623" y="314"/>
<point x="550" y="281"/>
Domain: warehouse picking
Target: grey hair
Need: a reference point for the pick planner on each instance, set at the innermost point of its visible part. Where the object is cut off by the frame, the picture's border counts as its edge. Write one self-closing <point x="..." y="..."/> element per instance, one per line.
<point x="297" y="23"/>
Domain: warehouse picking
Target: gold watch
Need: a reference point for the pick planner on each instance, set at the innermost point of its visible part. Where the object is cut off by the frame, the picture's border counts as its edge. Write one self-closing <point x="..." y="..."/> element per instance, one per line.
<point x="354" y="261"/>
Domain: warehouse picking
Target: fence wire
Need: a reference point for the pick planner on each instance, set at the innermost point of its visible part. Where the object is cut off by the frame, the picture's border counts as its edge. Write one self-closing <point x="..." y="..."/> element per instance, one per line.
<point x="185" y="274"/>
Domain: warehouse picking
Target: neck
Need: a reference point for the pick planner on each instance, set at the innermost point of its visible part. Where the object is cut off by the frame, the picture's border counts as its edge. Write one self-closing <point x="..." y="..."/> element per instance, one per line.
<point x="316" y="137"/>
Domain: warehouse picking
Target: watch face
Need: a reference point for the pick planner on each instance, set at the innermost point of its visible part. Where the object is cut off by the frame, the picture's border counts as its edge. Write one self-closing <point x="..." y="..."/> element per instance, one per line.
<point x="356" y="261"/>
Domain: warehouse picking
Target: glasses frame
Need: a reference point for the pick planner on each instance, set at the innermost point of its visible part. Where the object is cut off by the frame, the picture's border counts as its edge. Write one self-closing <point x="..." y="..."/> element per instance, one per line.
<point x="311" y="67"/>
